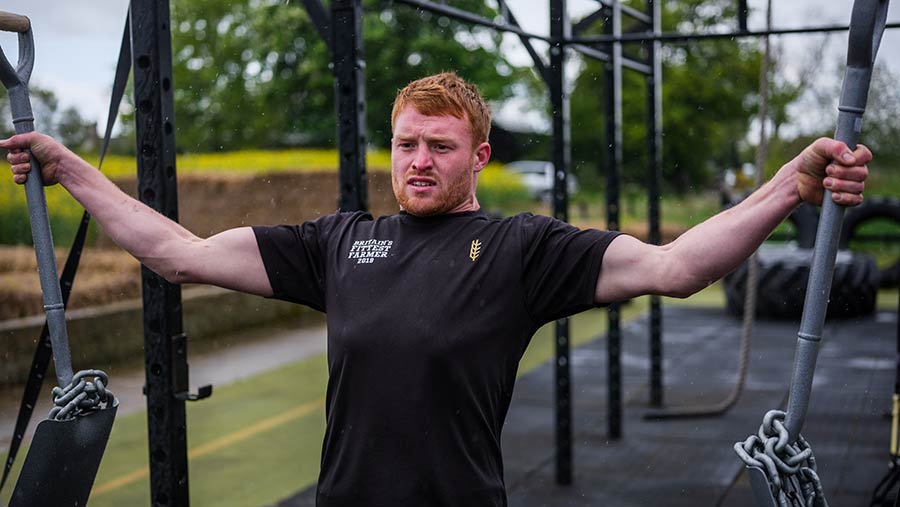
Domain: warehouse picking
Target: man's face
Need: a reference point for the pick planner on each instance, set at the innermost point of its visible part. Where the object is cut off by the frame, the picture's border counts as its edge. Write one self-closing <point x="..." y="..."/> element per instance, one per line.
<point x="433" y="163"/>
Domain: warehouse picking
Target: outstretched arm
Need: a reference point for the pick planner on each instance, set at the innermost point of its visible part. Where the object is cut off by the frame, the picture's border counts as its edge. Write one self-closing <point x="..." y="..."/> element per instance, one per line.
<point x="714" y="248"/>
<point x="230" y="259"/>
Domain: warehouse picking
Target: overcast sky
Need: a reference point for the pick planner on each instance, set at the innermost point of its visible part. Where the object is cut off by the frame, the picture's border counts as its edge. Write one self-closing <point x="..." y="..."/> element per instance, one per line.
<point x="77" y="43"/>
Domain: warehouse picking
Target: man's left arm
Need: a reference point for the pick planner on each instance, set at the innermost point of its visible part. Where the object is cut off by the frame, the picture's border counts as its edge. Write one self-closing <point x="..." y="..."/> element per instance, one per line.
<point x="714" y="248"/>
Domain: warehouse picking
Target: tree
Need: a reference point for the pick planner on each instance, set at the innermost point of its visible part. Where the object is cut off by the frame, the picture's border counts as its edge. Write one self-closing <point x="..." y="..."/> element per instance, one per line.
<point x="880" y="126"/>
<point x="48" y="118"/>
<point x="710" y="95"/>
<point x="76" y="132"/>
<point x="256" y="73"/>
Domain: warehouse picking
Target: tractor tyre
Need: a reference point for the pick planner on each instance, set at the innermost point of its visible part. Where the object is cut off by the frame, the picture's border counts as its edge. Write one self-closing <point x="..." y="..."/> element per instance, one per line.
<point x="784" y="275"/>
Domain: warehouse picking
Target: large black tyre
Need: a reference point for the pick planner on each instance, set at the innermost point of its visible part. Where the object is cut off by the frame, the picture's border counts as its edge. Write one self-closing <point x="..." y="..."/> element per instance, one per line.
<point x="805" y="220"/>
<point x="784" y="274"/>
<point x="873" y="208"/>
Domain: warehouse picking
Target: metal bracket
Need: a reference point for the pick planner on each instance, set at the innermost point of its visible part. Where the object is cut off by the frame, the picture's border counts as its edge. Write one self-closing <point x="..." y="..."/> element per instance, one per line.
<point x="180" y="386"/>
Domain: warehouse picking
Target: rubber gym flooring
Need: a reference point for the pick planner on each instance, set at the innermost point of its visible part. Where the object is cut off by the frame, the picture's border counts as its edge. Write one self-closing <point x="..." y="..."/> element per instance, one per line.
<point x="690" y="462"/>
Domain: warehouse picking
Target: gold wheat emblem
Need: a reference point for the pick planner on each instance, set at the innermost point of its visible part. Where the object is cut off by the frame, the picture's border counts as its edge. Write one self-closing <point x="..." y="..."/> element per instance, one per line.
<point x="475" y="251"/>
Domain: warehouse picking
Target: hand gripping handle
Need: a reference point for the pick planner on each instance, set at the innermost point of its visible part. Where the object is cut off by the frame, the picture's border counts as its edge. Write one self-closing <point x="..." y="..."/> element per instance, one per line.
<point x="16" y="83"/>
<point x="866" y="27"/>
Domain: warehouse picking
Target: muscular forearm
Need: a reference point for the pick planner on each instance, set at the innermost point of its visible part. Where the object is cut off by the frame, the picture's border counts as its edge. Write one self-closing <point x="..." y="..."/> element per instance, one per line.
<point x="714" y="248"/>
<point x="230" y="259"/>
<point x="134" y="226"/>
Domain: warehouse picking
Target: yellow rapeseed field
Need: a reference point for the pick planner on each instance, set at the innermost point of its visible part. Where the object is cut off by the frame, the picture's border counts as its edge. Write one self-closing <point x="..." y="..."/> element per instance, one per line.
<point x="497" y="189"/>
<point x="248" y="161"/>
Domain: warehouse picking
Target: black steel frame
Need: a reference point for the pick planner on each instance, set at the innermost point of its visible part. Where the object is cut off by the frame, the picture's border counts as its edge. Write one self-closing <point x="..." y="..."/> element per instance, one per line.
<point x="164" y="344"/>
<point x="341" y="30"/>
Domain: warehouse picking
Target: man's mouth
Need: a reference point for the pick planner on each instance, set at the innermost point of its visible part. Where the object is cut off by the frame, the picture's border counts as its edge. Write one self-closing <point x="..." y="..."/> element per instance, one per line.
<point x="417" y="182"/>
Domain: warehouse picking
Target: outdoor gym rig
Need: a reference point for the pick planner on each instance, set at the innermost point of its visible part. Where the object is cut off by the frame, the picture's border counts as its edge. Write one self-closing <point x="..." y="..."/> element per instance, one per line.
<point x="147" y="44"/>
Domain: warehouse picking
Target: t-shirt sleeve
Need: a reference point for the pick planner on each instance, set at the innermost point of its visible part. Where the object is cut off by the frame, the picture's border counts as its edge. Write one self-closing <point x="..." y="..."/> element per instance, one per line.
<point x="294" y="257"/>
<point x="561" y="264"/>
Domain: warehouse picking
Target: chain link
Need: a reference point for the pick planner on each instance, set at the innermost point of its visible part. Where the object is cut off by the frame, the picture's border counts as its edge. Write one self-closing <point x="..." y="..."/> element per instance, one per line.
<point x="81" y="396"/>
<point x="790" y="468"/>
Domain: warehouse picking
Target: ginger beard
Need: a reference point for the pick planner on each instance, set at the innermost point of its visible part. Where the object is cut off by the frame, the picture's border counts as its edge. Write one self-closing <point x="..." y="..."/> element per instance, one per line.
<point x="449" y="194"/>
<point x="433" y="163"/>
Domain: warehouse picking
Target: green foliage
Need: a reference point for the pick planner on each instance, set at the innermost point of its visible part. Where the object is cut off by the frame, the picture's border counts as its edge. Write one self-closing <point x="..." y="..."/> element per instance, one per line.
<point x="255" y="73"/>
<point x="15" y="228"/>
<point x="67" y="125"/>
<point x="880" y="127"/>
<point x="710" y="95"/>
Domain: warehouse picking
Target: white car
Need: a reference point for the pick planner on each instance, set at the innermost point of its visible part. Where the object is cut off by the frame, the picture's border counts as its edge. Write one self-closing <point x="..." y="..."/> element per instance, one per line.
<point x="537" y="175"/>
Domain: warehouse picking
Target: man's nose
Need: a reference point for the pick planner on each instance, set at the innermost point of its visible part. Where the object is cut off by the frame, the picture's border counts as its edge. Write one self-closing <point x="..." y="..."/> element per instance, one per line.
<point x="422" y="160"/>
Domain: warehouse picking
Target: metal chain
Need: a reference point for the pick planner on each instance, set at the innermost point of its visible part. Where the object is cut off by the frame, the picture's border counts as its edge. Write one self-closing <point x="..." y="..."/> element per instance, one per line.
<point x="790" y="468"/>
<point x="81" y="396"/>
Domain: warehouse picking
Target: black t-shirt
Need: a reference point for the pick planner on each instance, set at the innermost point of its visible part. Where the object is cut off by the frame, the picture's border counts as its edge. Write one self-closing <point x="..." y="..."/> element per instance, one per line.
<point x="427" y="320"/>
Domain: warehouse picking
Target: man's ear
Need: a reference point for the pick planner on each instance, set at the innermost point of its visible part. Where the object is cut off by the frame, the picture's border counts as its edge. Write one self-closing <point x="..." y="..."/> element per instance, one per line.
<point x="482" y="156"/>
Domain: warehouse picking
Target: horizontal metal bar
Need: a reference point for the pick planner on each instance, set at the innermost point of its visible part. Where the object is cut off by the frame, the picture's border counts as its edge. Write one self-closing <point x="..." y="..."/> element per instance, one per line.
<point x="628" y="63"/>
<point x="591" y="52"/>
<point x="636" y="14"/>
<point x="680" y="37"/>
<point x="469" y="17"/>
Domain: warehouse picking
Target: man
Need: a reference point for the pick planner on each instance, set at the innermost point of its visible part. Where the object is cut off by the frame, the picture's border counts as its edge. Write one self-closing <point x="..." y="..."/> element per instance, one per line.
<point x="430" y="310"/>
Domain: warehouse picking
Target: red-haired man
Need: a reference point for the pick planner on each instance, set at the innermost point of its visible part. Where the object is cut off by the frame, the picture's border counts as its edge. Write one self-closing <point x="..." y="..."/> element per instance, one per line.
<point x="430" y="310"/>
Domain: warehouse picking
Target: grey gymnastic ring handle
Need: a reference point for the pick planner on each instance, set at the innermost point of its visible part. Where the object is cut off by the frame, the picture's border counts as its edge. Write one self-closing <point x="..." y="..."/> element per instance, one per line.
<point x="866" y="27"/>
<point x="16" y="82"/>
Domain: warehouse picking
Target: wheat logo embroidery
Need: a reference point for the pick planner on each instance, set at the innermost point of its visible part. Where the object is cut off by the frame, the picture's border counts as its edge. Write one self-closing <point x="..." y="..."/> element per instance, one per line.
<point x="475" y="250"/>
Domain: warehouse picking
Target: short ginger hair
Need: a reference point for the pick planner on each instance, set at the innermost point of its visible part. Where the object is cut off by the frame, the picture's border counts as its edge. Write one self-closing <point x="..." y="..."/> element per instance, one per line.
<point x="447" y="94"/>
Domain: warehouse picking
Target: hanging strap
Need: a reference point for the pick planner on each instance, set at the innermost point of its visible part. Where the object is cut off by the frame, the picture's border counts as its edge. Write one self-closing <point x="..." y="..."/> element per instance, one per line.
<point x="43" y="352"/>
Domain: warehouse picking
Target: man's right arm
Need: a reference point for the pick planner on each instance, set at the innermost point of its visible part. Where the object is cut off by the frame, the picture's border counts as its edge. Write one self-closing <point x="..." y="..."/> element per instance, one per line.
<point x="230" y="259"/>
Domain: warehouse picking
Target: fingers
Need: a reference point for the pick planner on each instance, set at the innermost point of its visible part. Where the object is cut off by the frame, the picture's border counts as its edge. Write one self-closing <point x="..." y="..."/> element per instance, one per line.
<point x="19" y="141"/>
<point x="20" y="164"/>
<point x="831" y="150"/>
<point x="830" y="164"/>
<point x="862" y="155"/>
<point x="20" y="171"/>
<point x="855" y="174"/>
<point x="846" y="177"/>
<point x="18" y="157"/>
<point x="847" y="199"/>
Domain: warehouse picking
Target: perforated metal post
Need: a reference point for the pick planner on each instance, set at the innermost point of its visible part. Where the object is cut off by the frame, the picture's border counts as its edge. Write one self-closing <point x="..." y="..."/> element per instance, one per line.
<point x="654" y="177"/>
<point x="155" y="136"/>
<point x="613" y="175"/>
<point x="559" y="30"/>
<point x="349" y="94"/>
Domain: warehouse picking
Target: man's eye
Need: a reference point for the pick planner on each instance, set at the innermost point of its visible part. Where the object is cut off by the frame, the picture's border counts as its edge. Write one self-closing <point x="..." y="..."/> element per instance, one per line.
<point x="441" y="147"/>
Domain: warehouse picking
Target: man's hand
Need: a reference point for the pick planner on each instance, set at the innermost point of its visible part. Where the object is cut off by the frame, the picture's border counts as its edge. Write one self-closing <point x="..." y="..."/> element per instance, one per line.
<point x="44" y="148"/>
<point x="830" y="164"/>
